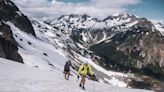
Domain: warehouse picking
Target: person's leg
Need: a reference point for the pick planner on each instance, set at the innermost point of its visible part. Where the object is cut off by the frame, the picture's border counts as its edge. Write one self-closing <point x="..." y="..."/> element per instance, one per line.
<point x="82" y="83"/>
<point x="68" y="73"/>
<point x="65" y="74"/>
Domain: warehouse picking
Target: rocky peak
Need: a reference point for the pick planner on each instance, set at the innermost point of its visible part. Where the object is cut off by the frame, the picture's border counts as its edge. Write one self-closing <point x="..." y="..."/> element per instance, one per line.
<point x="145" y="24"/>
<point x="8" y="46"/>
<point x="9" y="12"/>
<point x="84" y="16"/>
<point x="93" y="30"/>
<point x="139" y="47"/>
<point x="120" y="16"/>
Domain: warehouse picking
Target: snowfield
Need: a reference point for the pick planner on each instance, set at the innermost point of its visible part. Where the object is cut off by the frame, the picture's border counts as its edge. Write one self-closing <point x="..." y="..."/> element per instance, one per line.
<point x="46" y="53"/>
<point x="44" y="58"/>
<point x="36" y="52"/>
<point x="16" y="77"/>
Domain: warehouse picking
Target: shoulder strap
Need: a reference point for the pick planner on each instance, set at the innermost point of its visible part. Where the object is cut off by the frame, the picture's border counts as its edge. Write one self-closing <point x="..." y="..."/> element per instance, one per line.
<point x="87" y="67"/>
<point x="82" y="68"/>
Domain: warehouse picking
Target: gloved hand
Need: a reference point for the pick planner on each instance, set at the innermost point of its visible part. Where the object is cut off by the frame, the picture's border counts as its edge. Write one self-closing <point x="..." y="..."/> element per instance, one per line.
<point x="92" y="76"/>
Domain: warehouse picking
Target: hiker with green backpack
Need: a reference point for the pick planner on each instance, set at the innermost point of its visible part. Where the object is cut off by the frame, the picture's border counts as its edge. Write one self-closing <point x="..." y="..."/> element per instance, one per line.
<point x="83" y="71"/>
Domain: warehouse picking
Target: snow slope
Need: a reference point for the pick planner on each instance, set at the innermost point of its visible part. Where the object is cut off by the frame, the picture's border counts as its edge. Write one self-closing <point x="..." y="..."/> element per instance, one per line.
<point x="46" y="52"/>
<point x="36" y="52"/>
<point x="16" y="77"/>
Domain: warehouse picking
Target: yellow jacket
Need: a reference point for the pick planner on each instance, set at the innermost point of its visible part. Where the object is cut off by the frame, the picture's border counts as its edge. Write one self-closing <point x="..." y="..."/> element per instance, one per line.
<point x="84" y="69"/>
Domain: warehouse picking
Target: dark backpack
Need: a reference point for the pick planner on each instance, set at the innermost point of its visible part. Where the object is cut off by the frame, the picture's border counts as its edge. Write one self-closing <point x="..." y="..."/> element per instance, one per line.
<point x="67" y="66"/>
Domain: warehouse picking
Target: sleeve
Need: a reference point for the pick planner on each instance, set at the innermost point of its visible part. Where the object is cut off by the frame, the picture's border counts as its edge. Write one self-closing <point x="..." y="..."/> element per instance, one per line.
<point x="79" y="70"/>
<point x="90" y="70"/>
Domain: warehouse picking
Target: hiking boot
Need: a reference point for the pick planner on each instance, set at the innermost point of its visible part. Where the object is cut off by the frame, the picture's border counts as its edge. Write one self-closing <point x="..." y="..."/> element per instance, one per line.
<point x="83" y="88"/>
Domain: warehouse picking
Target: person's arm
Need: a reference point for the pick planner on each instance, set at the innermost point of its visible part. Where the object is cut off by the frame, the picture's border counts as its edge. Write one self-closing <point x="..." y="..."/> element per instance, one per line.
<point x="73" y="67"/>
<point x="90" y="70"/>
<point x="79" y="70"/>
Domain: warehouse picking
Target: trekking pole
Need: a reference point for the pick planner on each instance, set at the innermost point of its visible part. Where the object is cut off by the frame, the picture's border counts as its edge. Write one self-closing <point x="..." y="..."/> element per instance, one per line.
<point x="94" y="86"/>
<point x="77" y="79"/>
<point x="75" y="74"/>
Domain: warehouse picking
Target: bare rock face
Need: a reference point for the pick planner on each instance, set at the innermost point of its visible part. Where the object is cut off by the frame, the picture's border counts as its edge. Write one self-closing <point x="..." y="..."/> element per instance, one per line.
<point x="8" y="46"/>
<point x="138" y="49"/>
<point x="10" y="13"/>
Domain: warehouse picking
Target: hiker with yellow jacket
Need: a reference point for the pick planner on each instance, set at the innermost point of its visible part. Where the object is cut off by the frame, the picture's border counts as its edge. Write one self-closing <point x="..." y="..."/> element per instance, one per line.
<point x="83" y="71"/>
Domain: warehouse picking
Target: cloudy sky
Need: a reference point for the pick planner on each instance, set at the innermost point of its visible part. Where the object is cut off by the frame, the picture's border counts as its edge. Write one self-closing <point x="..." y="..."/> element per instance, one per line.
<point x="152" y="9"/>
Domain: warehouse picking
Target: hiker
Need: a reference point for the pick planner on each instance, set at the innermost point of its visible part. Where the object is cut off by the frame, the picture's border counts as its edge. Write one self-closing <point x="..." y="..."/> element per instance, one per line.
<point x="83" y="71"/>
<point x="67" y="69"/>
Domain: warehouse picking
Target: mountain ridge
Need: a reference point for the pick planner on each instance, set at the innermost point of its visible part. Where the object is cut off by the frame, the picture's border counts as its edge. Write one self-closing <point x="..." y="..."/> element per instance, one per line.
<point x="49" y="46"/>
<point x="120" y="42"/>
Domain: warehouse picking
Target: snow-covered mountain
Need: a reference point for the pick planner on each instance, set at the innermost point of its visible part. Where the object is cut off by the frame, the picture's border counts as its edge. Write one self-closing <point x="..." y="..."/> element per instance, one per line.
<point x="159" y="24"/>
<point x="49" y="45"/>
<point x="44" y="47"/>
<point x="75" y="52"/>
<point x="90" y="30"/>
<point x="122" y="42"/>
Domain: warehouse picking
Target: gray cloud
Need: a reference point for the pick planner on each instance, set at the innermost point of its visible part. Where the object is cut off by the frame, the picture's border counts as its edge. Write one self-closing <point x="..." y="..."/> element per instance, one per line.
<point x="97" y="8"/>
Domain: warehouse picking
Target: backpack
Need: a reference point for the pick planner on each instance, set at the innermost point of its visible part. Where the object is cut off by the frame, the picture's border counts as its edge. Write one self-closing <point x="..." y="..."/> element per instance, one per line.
<point x="87" y="68"/>
<point x="67" y="66"/>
